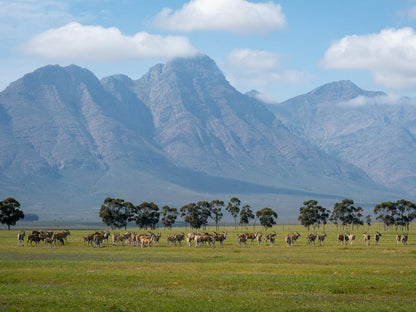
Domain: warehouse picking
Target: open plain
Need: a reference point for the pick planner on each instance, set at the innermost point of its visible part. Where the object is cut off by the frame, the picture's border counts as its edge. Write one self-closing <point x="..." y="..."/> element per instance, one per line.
<point x="332" y="277"/>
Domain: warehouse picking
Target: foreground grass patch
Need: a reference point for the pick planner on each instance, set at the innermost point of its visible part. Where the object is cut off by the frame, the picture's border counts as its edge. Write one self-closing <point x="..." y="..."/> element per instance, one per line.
<point x="76" y="277"/>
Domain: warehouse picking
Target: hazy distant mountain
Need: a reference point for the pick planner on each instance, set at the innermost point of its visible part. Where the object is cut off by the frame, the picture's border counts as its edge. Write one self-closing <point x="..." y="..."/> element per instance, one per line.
<point x="371" y="130"/>
<point x="179" y="133"/>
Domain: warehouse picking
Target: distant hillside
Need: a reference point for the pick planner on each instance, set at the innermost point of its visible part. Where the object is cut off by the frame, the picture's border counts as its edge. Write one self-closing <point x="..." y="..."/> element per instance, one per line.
<point x="178" y="134"/>
<point x="368" y="129"/>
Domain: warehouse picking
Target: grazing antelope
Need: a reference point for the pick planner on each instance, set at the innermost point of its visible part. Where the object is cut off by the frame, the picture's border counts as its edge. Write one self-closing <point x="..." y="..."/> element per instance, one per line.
<point x="398" y="239"/>
<point x="206" y="238"/>
<point x="33" y="238"/>
<point x="60" y="236"/>
<point x="311" y="239"/>
<point x="321" y="239"/>
<point x="251" y="236"/>
<point x="367" y="239"/>
<point x="241" y="239"/>
<point x="189" y="238"/>
<point x="21" y="239"/>
<point x="48" y="241"/>
<point x="270" y="238"/>
<point x="145" y="241"/>
<point x="258" y="238"/>
<point x="220" y="238"/>
<point x="291" y="239"/>
<point x="98" y="240"/>
<point x="180" y="238"/>
<point x="351" y="238"/>
<point x="171" y="240"/>
<point x="377" y="237"/>
<point x="341" y="238"/>
<point x="404" y="239"/>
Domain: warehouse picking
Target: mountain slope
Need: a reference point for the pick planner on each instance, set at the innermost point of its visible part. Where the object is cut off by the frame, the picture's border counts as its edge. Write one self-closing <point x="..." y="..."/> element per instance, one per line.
<point x="361" y="127"/>
<point x="180" y="133"/>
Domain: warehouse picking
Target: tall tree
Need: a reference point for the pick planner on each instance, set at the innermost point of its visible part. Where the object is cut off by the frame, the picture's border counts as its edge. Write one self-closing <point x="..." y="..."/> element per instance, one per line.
<point x="216" y="211"/>
<point x="312" y="214"/>
<point x="115" y="212"/>
<point x="267" y="217"/>
<point x="400" y="213"/>
<point x="10" y="212"/>
<point x="146" y="215"/>
<point x="169" y="215"/>
<point x="193" y="215"/>
<point x="245" y="215"/>
<point x="233" y="207"/>
<point x="347" y="214"/>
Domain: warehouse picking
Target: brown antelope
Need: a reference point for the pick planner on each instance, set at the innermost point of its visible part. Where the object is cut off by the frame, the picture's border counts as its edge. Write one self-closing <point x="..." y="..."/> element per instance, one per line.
<point x="398" y="239"/>
<point x="98" y="240"/>
<point x="171" y="240"/>
<point x="189" y="238"/>
<point x="60" y="236"/>
<point x="270" y="238"/>
<point x="351" y="238"/>
<point x="251" y="236"/>
<point x="291" y="239"/>
<point x="241" y="239"/>
<point x="145" y="241"/>
<point x="258" y="238"/>
<point x="377" y="237"/>
<point x="367" y="239"/>
<point x="311" y="239"/>
<point x="220" y="238"/>
<point x="21" y="239"/>
<point x="48" y="241"/>
<point x="180" y="238"/>
<point x="33" y="238"/>
<point x="341" y="238"/>
<point x="321" y="239"/>
<point x="205" y="238"/>
<point x="404" y="239"/>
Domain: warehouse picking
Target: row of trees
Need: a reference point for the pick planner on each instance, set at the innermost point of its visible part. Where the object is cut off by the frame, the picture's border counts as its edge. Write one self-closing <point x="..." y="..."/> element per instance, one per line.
<point x="399" y="213"/>
<point x="117" y="213"/>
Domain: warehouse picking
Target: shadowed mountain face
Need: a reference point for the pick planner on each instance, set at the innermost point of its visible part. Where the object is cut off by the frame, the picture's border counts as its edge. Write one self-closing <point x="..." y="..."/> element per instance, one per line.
<point x="371" y="130"/>
<point x="180" y="132"/>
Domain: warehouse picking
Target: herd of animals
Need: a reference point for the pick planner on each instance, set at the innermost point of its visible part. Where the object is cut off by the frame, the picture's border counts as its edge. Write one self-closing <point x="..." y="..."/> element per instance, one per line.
<point x="97" y="239"/>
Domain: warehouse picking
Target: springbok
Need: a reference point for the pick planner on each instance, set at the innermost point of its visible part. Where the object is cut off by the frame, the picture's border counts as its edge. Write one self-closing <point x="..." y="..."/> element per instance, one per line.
<point x="258" y="238"/>
<point x="367" y="239"/>
<point x="21" y="239"/>
<point x="60" y="236"/>
<point x="404" y="239"/>
<point x="321" y="239"/>
<point x="189" y="238"/>
<point x="270" y="238"/>
<point x="377" y="237"/>
<point x="341" y="238"/>
<point x="351" y="238"/>
<point x="398" y="239"/>
<point x="220" y="238"/>
<point x="241" y="239"/>
<point x="311" y="239"/>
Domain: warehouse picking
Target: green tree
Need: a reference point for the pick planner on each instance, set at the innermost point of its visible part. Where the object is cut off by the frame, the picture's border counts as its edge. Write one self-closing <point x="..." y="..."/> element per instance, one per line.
<point x="245" y="215"/>
<point x="169" y="215"/>
<point x="115" y="212"/>
<point x="384" y="212"/>
<point x="216" y="211"/>
<point x="10" y="212"/>
<point x="146" y="215"/>
<point x="400" y="213"/>
<point x="267" y="217"/>
<point x="193" y="215"/>
<point x="233" y="207"/>
<point x="347" y="214"/>
<point x="205" y="208"/>
<point x="312" y="214"/>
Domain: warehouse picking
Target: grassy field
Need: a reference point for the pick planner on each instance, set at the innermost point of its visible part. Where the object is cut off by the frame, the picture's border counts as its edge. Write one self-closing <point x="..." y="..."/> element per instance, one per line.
<point x="76" y="277"/>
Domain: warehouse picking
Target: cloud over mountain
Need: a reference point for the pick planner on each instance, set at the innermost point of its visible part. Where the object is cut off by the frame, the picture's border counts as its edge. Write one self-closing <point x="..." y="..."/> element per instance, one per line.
<point x="390" y="56"/>
<point x="77" y="42"/>
<point x="236" y="16"/>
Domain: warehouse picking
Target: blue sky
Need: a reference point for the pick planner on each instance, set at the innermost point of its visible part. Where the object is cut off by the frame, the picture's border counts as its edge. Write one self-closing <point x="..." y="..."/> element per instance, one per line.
<point x="280" y="48"/>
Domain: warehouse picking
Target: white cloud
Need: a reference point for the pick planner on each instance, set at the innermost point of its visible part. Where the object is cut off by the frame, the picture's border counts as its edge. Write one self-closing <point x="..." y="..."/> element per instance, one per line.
<point x="388" y="99"/>
<point x="389" y="55"/>
<point x="236" y="16"/>
<point x="259" y="69"/>
<point x="78" y="42"/>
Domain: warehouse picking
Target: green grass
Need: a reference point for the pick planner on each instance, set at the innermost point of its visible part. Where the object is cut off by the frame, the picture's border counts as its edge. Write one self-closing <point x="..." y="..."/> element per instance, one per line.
<point x="75" y="277"/>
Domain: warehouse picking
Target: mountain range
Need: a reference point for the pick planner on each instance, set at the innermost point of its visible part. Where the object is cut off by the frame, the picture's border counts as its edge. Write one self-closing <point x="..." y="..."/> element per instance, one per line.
<point x="182" y="133"/>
